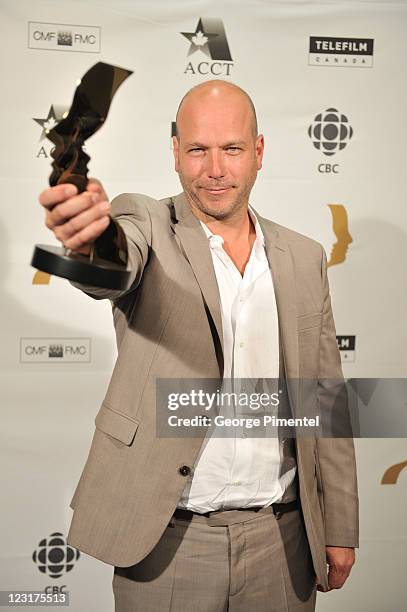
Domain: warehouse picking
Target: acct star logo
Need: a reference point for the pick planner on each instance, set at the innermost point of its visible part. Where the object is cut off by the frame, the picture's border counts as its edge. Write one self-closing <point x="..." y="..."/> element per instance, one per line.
<point x="55" y="114"/>
<point x="209" y="38"/>
<point x="48" y="123"/>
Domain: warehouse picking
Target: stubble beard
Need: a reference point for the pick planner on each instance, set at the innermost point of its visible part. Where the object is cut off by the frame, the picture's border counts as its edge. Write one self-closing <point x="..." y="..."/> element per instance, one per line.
<point x="238" y="203"/>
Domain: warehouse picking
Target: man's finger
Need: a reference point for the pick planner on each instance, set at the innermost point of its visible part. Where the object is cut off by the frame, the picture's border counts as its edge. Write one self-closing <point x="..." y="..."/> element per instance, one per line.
<point x="61" y="213"/>
<point x="337" y="577"/>
<point x="320" y="587"/>
<point x="96" y="186"/>
<point x="77" y="224"/>
<point x="55" y="195"/>
<point x="88" y="234"/>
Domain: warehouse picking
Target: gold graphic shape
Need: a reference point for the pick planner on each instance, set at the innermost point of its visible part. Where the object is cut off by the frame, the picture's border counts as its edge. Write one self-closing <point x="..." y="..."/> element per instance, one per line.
<point x="341" y="231"/>
<point x="393" y="472"/>
<point x="41" y="278"/>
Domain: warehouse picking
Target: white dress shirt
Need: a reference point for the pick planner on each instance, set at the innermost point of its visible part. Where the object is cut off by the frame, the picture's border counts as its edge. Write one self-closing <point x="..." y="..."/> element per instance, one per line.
<point x="237" y="471"/>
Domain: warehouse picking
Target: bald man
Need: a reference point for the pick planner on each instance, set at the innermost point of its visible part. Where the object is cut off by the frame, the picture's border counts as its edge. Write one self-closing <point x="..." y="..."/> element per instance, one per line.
<point x="217" y="292"/>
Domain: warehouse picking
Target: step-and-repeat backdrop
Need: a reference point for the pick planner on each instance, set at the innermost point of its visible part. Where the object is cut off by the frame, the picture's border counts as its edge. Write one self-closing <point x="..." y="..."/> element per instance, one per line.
<point x="329" y="83"/>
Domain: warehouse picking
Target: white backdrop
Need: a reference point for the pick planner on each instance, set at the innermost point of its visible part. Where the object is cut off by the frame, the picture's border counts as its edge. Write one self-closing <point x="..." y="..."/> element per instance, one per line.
<point x="48" y="403"/>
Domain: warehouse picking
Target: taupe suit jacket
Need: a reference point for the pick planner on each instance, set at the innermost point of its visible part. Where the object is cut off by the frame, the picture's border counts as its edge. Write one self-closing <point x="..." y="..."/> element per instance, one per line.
<point x="168" y="325"/>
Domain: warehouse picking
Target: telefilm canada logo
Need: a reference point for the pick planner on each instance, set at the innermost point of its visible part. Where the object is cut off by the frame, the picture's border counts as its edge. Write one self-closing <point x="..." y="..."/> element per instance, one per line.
<point x="346" y="345"/>
<point x="54" y="557"/>
<point x="209" y="39"/>
<point x="64" y="37"/>
<point x="55" y="350"/>
<point x="340" y="52"/>
<point x="330" y="132"/>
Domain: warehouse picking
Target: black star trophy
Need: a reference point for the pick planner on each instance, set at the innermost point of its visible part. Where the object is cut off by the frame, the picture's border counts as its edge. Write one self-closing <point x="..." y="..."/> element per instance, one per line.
<point x="87" y="114"/>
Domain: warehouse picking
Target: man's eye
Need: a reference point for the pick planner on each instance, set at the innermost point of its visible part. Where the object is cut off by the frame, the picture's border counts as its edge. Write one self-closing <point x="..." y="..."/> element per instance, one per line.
<point x="196" y="149"/>
<point x="233" y="149"/>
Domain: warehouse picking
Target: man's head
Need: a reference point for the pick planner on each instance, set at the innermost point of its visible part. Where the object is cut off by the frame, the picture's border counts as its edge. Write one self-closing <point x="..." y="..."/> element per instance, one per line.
<point x="217" y="150"/>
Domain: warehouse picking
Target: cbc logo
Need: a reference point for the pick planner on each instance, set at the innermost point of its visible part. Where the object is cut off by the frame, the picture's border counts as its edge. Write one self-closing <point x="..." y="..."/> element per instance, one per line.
<point x="328" y="168"/>
<point x="54" y="556"/>
<point x="330" y="132"/>
<point x="53" y="589"/>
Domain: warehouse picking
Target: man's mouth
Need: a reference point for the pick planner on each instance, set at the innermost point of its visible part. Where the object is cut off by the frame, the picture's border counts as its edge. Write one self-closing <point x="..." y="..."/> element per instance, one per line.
<point x="217" y="190"/>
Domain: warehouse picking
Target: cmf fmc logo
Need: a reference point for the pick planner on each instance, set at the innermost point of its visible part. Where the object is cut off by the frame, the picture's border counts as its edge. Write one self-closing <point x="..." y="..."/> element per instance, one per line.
<point x="330" y="132"/>
<point x="55" y="350"/>
<point x="63" y="37"/>
<point x="209" y="39"/>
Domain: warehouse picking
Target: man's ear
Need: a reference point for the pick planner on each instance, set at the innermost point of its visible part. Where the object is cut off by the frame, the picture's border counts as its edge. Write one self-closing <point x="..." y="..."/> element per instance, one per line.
<point x="259" y="150"/>
<point x="175" y="150"/>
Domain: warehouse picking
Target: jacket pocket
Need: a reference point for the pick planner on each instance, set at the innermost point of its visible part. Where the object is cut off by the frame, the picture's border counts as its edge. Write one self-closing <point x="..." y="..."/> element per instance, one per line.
<point x="116" y="424"/>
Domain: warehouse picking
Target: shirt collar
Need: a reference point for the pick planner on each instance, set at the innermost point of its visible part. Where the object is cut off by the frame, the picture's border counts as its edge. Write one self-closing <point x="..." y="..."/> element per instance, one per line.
<point x="216" y="239"/>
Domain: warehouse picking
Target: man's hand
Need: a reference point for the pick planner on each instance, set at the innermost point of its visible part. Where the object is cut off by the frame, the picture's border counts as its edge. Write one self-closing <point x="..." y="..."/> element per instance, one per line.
<point x="77" y="220"/>
<point x="340" y="561"/>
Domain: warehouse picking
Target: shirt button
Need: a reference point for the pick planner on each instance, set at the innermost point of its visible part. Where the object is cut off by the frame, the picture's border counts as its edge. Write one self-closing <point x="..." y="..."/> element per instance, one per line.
<point x="184" y="470"/>
<point x="241" y="344"/>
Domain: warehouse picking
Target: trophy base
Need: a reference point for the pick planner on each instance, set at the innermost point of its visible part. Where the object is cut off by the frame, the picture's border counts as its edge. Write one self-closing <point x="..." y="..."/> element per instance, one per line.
<point x="78" y="268"/>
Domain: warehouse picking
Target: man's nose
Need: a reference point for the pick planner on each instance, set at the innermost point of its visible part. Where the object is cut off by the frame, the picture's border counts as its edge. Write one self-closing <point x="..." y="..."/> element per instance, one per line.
<point x="215" y="167"/>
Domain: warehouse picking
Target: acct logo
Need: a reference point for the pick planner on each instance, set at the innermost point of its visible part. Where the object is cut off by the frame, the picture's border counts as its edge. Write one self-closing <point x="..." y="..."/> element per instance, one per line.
<point x="209" y="39"/>
<point x="55" y="350"/>
<point x="54" y="556"/>
<point x="63" y="37"/>
<point x="54" y="116"/>
<point x="342" y="52"/>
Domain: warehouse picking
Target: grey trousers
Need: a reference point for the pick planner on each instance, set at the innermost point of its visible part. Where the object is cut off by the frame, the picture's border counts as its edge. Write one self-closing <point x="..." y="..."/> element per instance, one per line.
<point x="231" y="561"/>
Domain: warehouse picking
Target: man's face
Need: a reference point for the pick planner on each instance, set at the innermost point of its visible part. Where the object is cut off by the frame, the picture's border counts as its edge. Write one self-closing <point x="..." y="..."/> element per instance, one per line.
<point x="217" y="155"/>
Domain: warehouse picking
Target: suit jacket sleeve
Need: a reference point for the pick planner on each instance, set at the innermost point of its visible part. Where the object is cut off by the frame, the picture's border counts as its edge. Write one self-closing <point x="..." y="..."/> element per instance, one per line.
<point x="335" y="456"/>
<point x="131" y="212"/>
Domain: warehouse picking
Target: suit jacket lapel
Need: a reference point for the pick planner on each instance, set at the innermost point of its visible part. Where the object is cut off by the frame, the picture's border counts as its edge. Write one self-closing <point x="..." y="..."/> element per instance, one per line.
<point x="282" y="271"/>
<point x="195" y="246"/>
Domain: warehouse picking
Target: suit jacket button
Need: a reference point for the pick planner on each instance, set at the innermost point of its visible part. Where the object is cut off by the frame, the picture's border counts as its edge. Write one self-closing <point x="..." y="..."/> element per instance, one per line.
<point x="184" y="470"/>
